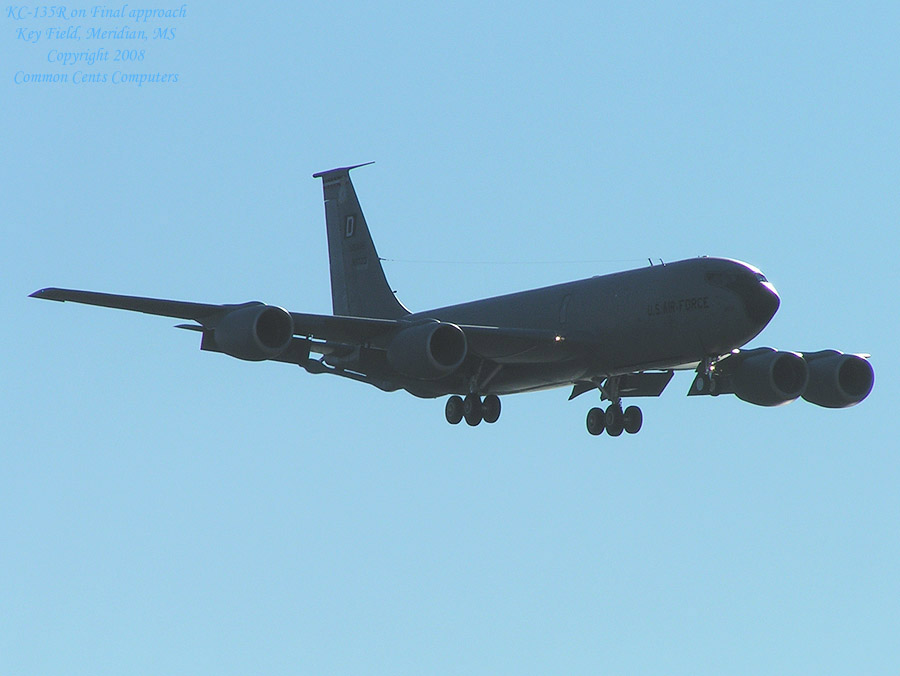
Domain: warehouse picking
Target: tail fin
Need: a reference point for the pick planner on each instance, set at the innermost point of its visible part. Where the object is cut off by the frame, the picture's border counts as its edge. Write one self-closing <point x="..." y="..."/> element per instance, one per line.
<point x="358" y="285"/>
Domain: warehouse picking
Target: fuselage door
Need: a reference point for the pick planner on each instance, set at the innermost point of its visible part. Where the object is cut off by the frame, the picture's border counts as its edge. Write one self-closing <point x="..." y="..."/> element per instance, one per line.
<point x="564" y="309"/>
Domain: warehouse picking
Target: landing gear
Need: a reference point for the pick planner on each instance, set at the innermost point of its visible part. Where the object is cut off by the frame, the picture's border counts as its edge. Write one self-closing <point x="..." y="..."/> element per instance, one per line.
<point x="454" y="410"/>
<point x="596" y="421"/>
<point x="472" y="409"/>
<point x="706" y="381"/>
<point x="490" y="408"/>
<point x="613" y="420"/>
<point x="632" y="419"/>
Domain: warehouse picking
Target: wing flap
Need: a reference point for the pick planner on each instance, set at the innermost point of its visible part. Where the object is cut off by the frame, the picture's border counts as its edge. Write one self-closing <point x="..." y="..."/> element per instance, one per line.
<point x="641" y="384"/>
<point x="341" y="329"/>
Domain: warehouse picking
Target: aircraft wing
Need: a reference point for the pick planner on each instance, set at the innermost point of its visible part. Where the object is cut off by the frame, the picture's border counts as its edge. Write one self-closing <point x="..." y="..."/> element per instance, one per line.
<point x="499" y="344"/>
<point x="151" y="306"/>
<point x="503" y="345"/>
<point x="321" y="327"/>
<point x="341" y="329"/>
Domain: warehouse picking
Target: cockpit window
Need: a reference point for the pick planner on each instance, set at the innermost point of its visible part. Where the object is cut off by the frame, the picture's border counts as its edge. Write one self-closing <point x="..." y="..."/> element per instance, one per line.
<point x="733" y="280"/>
<point x="725" y="279"/>
<point x="736" y="281"/>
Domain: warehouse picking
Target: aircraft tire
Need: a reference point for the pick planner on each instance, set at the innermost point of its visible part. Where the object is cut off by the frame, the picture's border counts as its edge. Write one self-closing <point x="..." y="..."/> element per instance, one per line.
<point x="596" y="421"/>
<point x="700" y="384"/>
<point x="632" y="419"/>
<point x="705" y="384"/>
<point x="615" y="420"/>
<point x="472" y="410"/>
<point x="454" y="410"/>
<point x="490" y="408"/>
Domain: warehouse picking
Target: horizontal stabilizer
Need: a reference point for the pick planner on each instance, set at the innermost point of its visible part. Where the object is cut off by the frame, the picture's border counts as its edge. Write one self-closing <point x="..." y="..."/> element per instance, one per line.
<point x="340" y="170"/>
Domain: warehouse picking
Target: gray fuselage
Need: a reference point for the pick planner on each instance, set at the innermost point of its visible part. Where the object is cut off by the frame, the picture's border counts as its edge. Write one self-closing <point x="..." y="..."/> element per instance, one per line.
<point x="659" y="317"/>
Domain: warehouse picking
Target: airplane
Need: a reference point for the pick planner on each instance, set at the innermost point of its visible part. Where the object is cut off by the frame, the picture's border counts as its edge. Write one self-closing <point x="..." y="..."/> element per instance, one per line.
<point x="622" y="334"/>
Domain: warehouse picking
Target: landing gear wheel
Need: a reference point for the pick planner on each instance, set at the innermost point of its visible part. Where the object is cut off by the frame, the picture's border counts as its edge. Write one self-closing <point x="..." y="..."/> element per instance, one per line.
<point x="705" y="384"/>
<point x="632" y="419"/>
<point x="615" y="420"/>
<point x="701" y="384"/>
<point x="596" y="421"/>
<point x="454" y="410"/>
<point x="490" y="408"/>
<point x="472" y="410"/>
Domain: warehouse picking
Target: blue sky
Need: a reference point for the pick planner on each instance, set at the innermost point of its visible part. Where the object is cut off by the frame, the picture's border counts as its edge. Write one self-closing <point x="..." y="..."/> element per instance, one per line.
<point x="164" y="510"/>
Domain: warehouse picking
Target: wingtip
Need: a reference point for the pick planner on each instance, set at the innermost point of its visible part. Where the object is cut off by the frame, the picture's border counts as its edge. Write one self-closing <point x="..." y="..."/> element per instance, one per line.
<point x="50" y="293"/>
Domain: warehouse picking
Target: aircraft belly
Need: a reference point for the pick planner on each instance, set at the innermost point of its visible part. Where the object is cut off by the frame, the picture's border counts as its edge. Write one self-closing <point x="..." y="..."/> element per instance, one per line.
<point x="644" y="346"/>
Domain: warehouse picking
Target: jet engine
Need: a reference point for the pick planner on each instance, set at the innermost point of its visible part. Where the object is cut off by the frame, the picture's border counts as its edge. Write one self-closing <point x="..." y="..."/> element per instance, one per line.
<point x="837" y="380"/>
<point x="428" y="351"/>
<point x="254" y="332"/>
<point x="769" y="378"/>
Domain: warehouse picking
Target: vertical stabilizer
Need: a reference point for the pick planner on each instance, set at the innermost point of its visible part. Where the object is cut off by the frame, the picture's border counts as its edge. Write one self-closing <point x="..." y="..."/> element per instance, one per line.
<point x="358" y="285"/>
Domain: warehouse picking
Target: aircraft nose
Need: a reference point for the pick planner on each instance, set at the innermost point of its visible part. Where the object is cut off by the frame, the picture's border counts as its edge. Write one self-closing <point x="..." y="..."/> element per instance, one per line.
<point x="761" y="301"/>
<point x="750" y="286"/>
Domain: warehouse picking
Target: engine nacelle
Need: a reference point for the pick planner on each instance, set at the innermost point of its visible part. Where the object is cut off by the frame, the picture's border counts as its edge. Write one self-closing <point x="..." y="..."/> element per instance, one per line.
<point x="428" y="351"/>
<point x="254" y="332"/>
<point x="769" y="378"/>
<point x="838" y="380"/>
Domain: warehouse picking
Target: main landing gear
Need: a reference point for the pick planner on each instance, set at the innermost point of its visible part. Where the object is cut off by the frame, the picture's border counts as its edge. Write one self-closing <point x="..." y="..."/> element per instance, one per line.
<point x="614" y="420"/>
<point x="473" y="409"/>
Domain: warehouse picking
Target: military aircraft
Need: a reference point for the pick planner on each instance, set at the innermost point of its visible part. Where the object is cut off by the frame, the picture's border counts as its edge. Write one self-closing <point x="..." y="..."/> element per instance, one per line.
<point x="621" y="334"/>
